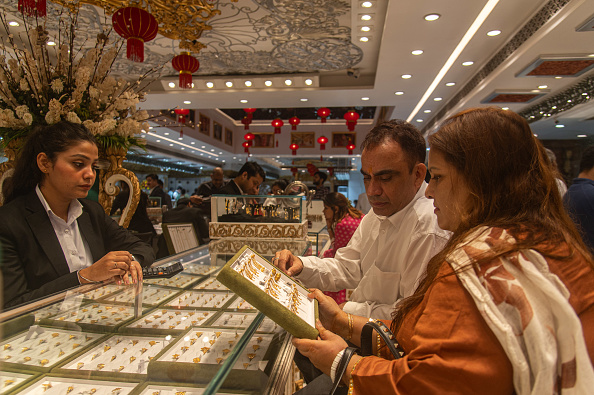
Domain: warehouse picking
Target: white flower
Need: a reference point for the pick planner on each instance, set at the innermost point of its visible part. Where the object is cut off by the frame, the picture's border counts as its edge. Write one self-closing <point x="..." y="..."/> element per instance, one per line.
<point x="28" y="118"/>
<point x="57" y="85"/>
<point x="72" y="117"/>
<point x="21" y="110"/>
<point x="93" y="92"/>
<point x="52" y="117"/>
<point x="24" y="85"/>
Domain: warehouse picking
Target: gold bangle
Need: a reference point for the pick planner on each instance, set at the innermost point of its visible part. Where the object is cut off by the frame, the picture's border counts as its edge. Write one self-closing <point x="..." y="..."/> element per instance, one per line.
<point x="86" y="279"/>
<point x="351" y="377"/>
<point x="350" y="319"/>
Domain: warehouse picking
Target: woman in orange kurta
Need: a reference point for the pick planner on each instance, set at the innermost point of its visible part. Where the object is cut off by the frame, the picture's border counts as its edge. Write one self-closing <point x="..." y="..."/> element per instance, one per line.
<point x="507" y="306"/>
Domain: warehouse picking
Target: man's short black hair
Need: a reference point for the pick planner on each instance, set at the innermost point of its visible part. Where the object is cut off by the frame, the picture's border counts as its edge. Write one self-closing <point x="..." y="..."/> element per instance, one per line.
<point x="160" y="182"/>
<point x="405" y="134"/>
<point x="587" y="161"/>
<point x="153" y="176"/>
<point x="322" y="175"/>
<point x="252" y="168"/>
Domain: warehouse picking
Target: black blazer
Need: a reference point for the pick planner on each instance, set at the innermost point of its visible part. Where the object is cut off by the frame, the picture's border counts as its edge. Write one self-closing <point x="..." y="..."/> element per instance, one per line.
<point x="230" y="189"/>
<point x="33" y="264"/>
<point x="165" y="198"/>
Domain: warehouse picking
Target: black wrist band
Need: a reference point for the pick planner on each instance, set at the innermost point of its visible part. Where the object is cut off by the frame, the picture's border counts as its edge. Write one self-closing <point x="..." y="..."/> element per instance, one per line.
<point x="342" y="366"/>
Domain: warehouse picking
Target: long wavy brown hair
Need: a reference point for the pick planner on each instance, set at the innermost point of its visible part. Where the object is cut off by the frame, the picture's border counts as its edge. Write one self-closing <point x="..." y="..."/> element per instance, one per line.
<point x="512" y="186"/>
<point x="341" y="206"/>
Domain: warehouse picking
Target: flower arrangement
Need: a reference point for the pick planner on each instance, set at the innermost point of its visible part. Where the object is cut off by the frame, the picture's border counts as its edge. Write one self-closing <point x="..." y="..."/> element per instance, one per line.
<point x="41" y="85"/>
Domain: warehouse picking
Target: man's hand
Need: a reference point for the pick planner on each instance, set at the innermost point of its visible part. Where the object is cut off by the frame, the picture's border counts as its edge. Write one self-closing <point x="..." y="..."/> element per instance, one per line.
<point x="288" y="263"/>
<point x="321" y="352"/>
<point x="195" y="199"/>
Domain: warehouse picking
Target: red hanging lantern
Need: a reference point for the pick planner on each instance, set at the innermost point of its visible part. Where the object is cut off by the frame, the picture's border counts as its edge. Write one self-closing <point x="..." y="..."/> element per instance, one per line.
<point x="246" y="145"/>
<point x="351" y="118"/>
<point x="294" y="121"/>
<point x="250" y="112"/>
<point x="137" y="26"/>
<point x="294" y="171"/>
<point x="246" y="123"/>
<point x="186" y="64"/>
<point x="277" y="123"/>
<point x="331" y="171"/>
<point x="182" y="113"/>
<point x="323" y="113"/>
<point x="249" y="137"/>
<point x="322" y="140"/>
<point x="350" y="146"/>
<point x="33" y="8"/>
<point x="294" y="147"/>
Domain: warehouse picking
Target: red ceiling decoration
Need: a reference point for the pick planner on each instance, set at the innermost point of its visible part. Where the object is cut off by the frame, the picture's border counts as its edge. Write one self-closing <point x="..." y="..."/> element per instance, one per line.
<point x="350" y="146"/>
<point x="33" y="8"/>
<point x="277" y="124"/>
<point x="250" y="112"/>
<point x="246" y="122"/>
<point x="137" y="26"/>
<point x="294" y="121"/>
<point x="294" y="147"/>
<point x="323" y="113"/>
<point x="246" y="146"/>
<point x="351" y="118"/>
<point x="186" y="64"/>
<point x="249" y="137"/>
<point x="322" y="140"/>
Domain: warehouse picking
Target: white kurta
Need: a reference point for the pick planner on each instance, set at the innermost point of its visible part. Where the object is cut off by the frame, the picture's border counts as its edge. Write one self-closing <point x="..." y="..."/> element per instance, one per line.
<point x="384" y="260"/>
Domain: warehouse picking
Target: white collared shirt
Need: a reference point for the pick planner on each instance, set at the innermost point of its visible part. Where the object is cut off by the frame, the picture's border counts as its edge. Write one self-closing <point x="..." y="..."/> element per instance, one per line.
<point x="384" y="260"/>
<point x="75" y="248"/>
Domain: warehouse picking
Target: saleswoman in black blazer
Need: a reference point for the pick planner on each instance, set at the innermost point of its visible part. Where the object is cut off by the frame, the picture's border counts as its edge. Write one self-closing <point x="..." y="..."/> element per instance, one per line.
<point x="51" y="237"/>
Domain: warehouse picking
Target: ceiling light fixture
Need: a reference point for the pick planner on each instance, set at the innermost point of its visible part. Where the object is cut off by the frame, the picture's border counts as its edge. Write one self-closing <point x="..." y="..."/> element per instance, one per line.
<point x="558" y="77"/>
<point x="427" y="111"/>
<point x="172" y="84"/>
<point x="559" y="125"/>
<point x="13" y="24"/>
<point x="268" y="83"/>
<point x="229" y="84"/>
<point x="480" y="19"/>
<point x="365" y="17"/>
<point x="468" y="63"/>
<point x="304" y="99"/>
<point x="582" y="135"/>
<point x="406" y="76"/>
<point x="181" y="144"/>
<point x="364" y="98"/>
<point x="210" y="84"/>
<point x="166" y="133"/>
<point x="493" y="33"/>
<point x="243" y="101"/>
<point x="399" y="93"/>
<point x="367" y="4"/>
<point x="51" y="43"/>
<point x="437" y="99"/>
<point x="187" y="102"/>
<point x="432" y="17"/>
<point x="417" y="52"/>
<point x="288" y="82"/>
<point x="365" y="28"/>
<point x="419" y="120"/>
<point x="505" y="108"/>
<point x="364" y="39"/>
<point x="248" y="83"/>
<point x="308" y="81"/>
<point x="450" y="84"/>
<point x="543" y="86"/>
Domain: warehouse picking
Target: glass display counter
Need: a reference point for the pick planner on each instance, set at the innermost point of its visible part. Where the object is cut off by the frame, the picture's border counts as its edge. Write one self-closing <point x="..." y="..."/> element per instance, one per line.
<point x="185" y="334"/>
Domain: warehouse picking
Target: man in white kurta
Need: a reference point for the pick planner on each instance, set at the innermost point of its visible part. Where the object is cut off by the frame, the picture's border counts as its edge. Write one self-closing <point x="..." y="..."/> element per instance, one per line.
<point x="388" y="253"/>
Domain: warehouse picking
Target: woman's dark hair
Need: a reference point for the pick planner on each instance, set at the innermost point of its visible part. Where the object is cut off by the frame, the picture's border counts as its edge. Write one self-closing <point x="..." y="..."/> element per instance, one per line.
<point x="51" y="140"/>
<point x="341" y="206"/>
<point x="281" y="183"/>
<point x="511" y="186"/>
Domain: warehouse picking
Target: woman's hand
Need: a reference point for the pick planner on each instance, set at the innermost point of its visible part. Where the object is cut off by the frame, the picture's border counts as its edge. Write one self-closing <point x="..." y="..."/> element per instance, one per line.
<point x="321" y="352"/>
<point x="331" y="315"/>
<point x="114" y="264"/>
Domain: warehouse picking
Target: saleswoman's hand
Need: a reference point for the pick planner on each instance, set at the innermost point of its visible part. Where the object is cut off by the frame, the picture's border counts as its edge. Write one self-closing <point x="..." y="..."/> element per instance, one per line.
<point x="321" y="352"/>
<point x="113" y="265"/>
<point x="331" y="315"/>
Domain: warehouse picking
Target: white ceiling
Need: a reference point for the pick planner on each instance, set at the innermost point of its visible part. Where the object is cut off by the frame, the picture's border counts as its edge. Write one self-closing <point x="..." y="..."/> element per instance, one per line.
<point x="397" y="28"/>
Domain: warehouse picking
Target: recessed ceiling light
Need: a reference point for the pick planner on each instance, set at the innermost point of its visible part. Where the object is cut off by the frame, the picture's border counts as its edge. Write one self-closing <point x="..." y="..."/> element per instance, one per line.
<point x="268" y="83"/>
<point x="158" y="141"/>
<point x="150" y="127"/>
<point x="193" y="142"/>
<point x="220" y="153"/>
<point x="235" y="157"/>
<point x="399" y="93"/>
<point x="288" y="82"/>
<point x="364" y="98"/>
<point x="365" y="28"/>
<point x="468" y="63"/>
<point x="212" y="150"/>
<point x="493" y="33"/>
<point x="364" y="39"/>
<point x="419" y="120"/>
<point x="229" y="84"/>
<point x="171" y="145"/>
<point x="51" y="43"/>
<point x="366" y="4"/>
<point x="406" y="76"/>
<point x="437" y="99"/>
<point x="243" y="101"/>
<point x="417" y="52"/>
<point x="505" y="108"/>
<point x="450" y="84"/>
<point x="166" y="133"/>
<point x="591" y="55"/>
<point x="432" y="17"/>
<point x="558" y="77"/>
<point x="366" y="17"/>
<point x="535" y="135"/>
<point x="543" y="86"/>
<point x="13" y="23"/>
<point x="187" y="102"/>
<point x="248" y="83"/>
<point x="308" y="81"/>
<point x="559" y="125"/>
<point x="427" y="111"/>
<point x="582" y="135"/>
<point x="172" y="84"/>
<point x="180" y="138"/>
<point x="204" y="146"/>
<point x="209" y="84"/>
<point x="304" y="99"/>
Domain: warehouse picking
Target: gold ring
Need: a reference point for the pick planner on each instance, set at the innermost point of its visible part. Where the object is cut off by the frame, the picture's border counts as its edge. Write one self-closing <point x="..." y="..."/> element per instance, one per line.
<point x="115" y="265"/>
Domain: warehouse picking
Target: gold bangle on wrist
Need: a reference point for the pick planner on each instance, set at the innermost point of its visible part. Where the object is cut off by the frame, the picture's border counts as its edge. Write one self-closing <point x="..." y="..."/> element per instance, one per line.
<point x="351" y="376"/>
<point x="350" y="321"/>
<point x="86" y="279"/>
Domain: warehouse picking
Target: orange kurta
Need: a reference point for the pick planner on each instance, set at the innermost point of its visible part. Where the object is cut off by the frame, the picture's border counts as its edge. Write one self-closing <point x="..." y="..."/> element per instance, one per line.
<point x="449" y="347"/>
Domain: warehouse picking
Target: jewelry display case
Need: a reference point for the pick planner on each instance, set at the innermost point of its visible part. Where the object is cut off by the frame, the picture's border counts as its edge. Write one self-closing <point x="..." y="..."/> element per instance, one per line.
<point x="186" y="334"/>
<point x="258" y="216"/>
